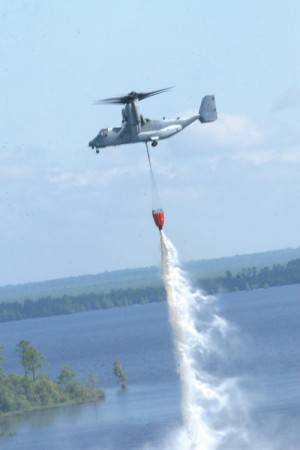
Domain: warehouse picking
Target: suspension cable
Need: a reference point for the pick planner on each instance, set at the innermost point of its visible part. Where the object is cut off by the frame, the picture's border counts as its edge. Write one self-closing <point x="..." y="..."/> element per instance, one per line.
<point x="149" y="160"/>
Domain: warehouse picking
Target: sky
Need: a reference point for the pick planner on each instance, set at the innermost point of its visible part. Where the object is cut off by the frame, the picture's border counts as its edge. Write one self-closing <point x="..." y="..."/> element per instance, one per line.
<point x="230" y="187"/>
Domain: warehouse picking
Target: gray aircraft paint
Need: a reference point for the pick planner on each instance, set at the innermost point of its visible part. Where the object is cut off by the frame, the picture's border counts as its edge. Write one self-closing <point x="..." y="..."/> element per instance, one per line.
<point x="135" y="128"/>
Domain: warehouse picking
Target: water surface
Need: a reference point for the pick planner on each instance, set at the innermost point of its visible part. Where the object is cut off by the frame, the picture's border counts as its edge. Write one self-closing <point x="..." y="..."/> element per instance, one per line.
<point x="266" y="357"/>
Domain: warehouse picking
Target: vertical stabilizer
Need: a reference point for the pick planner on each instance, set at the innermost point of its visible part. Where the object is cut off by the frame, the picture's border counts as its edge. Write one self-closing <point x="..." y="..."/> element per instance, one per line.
<point x="208" y="109"/>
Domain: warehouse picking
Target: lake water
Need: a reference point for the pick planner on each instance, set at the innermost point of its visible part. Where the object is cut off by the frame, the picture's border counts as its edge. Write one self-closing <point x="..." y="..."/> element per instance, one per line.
<point x="266" y="358"/>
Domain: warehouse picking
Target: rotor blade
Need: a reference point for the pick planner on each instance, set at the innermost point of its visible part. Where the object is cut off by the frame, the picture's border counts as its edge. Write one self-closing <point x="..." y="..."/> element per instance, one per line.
<point x="112" y="100"/>
<point x="129" y="98"/>
<point x="143" y="95"/>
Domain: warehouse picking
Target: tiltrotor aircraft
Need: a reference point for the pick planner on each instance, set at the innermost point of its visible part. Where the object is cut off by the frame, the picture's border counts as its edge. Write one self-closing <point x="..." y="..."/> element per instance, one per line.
<point x="136" y="128"/>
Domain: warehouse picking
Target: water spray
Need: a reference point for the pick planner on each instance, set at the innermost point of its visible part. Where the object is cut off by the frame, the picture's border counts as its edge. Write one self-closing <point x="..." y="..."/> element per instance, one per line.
<point x="210" y="411"/>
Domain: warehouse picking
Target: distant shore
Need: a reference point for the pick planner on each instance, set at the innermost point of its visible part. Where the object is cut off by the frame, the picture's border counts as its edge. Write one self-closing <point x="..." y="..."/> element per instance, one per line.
<point x="246" y="279"/>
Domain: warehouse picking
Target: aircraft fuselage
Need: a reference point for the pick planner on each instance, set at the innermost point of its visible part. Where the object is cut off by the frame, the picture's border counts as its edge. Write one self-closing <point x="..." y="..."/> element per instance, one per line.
<point x="149" y="131"/>
<point x="135" y="128"/>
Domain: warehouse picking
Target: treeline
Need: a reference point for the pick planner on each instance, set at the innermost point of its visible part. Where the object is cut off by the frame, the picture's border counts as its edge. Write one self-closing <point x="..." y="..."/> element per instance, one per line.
<point x="33" y="390"/>
<point x="251" y="278"/>
<point x="49" y="306"/>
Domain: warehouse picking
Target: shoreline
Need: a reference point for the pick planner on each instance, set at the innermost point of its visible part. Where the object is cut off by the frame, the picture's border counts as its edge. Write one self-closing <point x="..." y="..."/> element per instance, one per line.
<point x="9" y="415"/>
<point x="141" y="302"/>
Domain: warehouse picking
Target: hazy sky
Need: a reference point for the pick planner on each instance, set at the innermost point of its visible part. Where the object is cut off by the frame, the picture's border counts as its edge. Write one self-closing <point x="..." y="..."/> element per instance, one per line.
<point x="228" y="187"/>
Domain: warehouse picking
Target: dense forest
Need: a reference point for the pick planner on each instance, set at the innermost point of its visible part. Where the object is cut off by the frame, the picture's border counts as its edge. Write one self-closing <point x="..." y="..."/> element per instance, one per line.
<point x="34" y="390"/>
<point x="49" y="306"/>
<point x="141" y="277"/>
<point x="250" y="278"/>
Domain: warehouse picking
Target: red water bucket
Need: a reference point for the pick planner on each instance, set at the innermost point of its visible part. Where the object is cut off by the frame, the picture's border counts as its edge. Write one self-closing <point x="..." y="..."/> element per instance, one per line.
<point x="159" y="218"/>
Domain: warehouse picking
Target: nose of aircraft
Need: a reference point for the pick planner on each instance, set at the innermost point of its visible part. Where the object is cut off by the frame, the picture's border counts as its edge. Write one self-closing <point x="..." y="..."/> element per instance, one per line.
<point x="92" y="143"/>
<point x="97" y="142"/>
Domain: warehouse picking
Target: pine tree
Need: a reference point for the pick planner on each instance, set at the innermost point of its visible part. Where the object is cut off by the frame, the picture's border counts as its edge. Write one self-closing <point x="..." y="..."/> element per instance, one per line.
<point x="120" y="374"/>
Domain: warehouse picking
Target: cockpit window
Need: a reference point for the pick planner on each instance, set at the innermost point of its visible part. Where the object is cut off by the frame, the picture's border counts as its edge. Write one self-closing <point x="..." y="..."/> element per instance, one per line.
<point x="103" y="132"/>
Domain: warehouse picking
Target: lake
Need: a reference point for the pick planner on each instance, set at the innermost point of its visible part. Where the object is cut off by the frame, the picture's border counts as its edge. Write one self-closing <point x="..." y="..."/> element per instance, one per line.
<point x="266" y="358"/>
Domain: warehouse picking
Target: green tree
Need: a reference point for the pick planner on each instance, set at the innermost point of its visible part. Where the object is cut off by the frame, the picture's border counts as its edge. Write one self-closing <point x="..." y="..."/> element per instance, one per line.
<point x="46" y="392"/>
<point x="66" y="377"/>
<point x="120" y="374"/>
<point x="31" y="359"/>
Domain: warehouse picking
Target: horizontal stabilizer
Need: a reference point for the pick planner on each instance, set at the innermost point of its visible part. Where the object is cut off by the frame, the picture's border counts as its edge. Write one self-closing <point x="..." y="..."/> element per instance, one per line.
<point x="208" y="109"/>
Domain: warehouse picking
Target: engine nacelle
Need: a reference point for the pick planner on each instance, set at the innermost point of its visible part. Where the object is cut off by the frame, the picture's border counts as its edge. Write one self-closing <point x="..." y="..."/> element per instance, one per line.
<point x="124" y="118"/>
<point x="132" y="113"/>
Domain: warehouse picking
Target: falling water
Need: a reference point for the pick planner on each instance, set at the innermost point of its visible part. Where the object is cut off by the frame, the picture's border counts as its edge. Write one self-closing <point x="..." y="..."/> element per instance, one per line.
<point x="212" y="411"/>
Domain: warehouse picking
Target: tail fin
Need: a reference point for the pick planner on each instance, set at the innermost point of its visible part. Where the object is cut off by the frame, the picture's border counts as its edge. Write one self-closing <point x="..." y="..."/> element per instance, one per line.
<point x="208" y="109"/>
